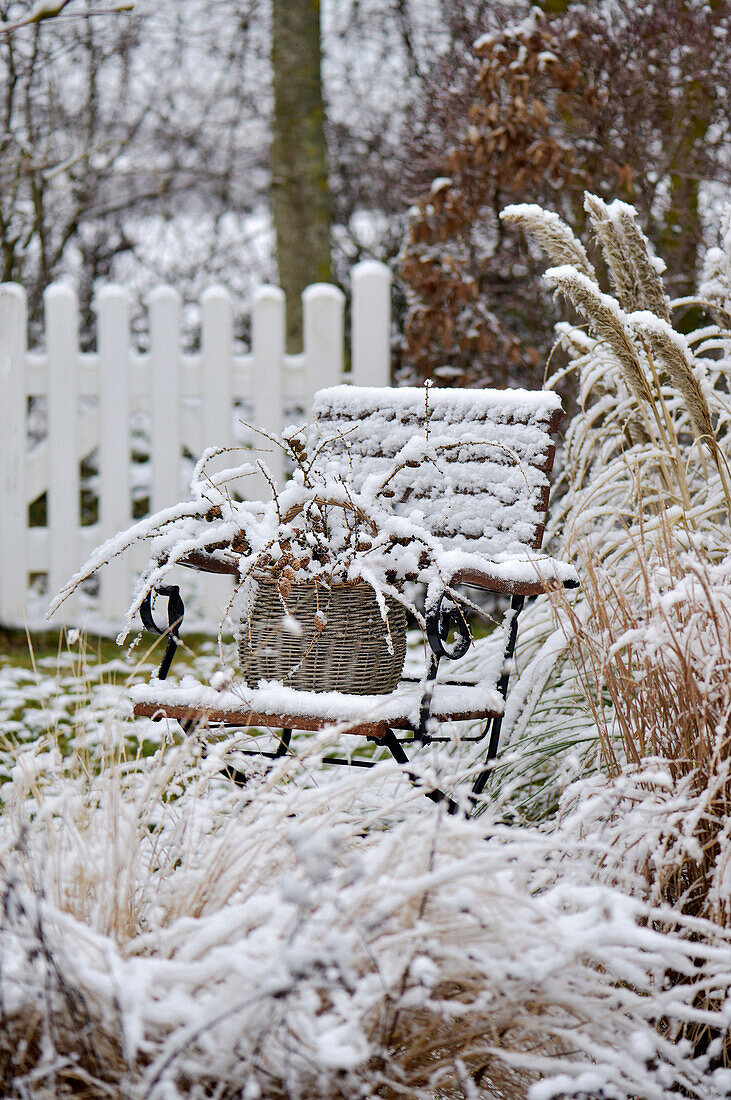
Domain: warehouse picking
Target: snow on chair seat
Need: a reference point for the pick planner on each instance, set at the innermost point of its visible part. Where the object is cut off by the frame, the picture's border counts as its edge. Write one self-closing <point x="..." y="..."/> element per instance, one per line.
<point x="277" y="706"/>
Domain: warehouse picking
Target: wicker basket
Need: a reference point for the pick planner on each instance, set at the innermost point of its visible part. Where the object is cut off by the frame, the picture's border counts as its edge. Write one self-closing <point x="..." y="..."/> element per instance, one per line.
<point x="349" y="652"/>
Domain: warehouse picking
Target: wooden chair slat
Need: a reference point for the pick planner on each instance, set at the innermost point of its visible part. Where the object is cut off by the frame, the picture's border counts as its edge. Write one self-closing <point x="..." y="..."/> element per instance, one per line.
<point x="262" y="720"/>
<point x="496" y="441"/>
<point x="235" y="718"/>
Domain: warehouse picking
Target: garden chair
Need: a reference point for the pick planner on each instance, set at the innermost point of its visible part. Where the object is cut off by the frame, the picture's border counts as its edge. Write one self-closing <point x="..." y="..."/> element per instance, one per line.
<point x="484" y="497"/>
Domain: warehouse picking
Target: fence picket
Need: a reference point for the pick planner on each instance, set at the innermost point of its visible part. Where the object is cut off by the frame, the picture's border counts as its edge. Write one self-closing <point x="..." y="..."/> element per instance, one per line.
<point x="176" y="392"/>
<point x="114" y="446"/>
<point x="13" y="447"/>
<point x="323" y="308"/>
<point x="165" y="358"/>
<point x="268" y="351"/>
<point x="371" y="343"/>
<point x="217" y="367"/>
<point x="63" y="478"/>
<point x="217" y="399"/>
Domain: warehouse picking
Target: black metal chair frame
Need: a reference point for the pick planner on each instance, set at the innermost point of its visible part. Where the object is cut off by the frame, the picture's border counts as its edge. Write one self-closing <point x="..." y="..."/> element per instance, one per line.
<point x="443" y="619"/>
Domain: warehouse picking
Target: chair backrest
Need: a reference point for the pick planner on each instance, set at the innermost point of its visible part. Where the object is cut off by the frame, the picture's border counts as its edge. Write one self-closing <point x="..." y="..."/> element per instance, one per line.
<point x="484" y="456"/>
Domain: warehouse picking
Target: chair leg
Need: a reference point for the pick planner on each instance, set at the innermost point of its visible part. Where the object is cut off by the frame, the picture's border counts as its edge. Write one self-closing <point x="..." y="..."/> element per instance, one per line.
<point x="516" y="606"/>
<point x="241" y="778"/>
<point x="396" y="749"/>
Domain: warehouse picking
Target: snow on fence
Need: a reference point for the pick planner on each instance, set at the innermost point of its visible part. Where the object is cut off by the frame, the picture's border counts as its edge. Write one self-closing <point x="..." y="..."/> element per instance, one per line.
<point x="88" y="439"/>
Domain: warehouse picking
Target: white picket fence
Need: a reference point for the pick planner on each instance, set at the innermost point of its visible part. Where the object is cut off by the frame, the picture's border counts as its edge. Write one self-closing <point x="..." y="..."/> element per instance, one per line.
<point x="185" y="402"/>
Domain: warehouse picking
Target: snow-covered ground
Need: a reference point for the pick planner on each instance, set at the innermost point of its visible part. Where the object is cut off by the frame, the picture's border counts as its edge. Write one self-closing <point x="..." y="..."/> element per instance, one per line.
<point x="166" y="933"/>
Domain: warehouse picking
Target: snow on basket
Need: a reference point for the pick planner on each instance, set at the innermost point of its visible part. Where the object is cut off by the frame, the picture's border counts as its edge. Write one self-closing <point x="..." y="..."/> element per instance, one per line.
<point x="323" y="638"/>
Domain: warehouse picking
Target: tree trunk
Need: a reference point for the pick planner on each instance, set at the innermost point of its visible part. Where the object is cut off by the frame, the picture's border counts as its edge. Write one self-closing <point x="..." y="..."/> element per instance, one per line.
<point x="300" y="197"/>
<point x="681" y="234"/>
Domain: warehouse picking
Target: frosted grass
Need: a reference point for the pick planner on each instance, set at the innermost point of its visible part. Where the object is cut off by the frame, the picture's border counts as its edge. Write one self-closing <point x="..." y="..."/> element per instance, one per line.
<point x="164" y="935"/>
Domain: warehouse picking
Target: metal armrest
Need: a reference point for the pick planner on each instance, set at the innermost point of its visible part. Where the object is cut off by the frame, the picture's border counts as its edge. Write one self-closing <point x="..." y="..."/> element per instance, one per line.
<point x="176" y="611"/>
<point x="442" y="618"/>
<point x="445" y="616"/>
